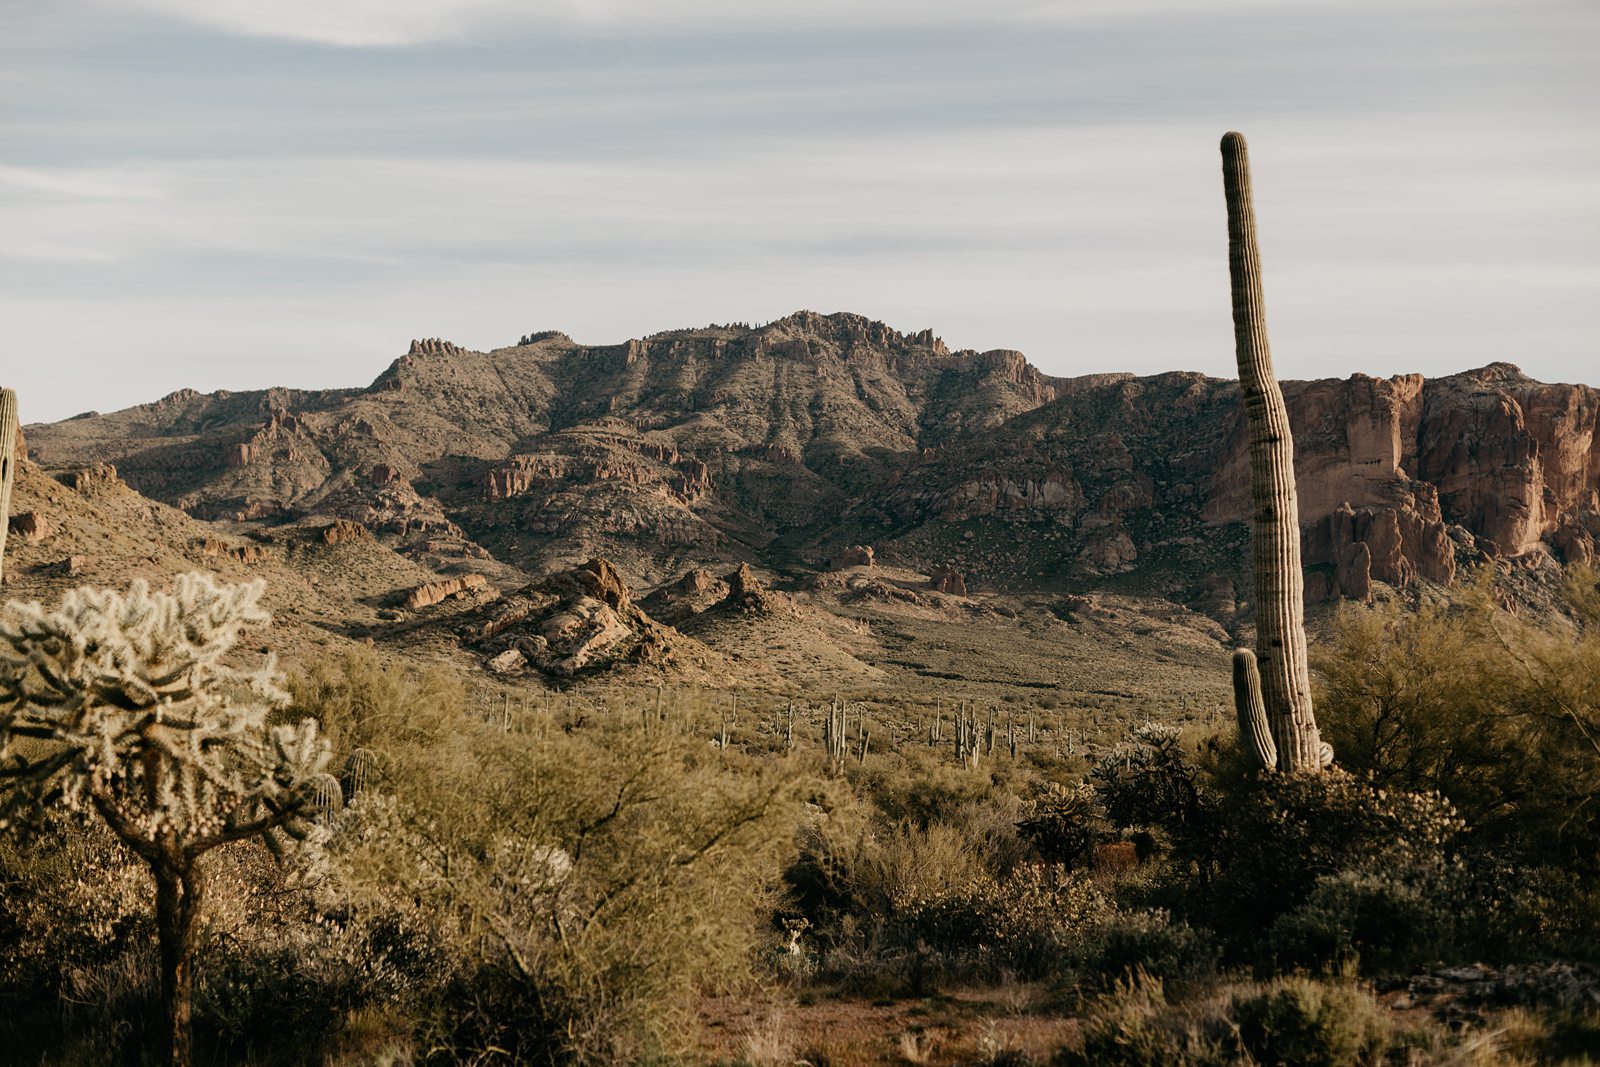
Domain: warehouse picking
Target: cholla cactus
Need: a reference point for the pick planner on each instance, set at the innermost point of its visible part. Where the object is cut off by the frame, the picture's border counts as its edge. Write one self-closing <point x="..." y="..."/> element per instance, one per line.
<point x="121" y="704"/>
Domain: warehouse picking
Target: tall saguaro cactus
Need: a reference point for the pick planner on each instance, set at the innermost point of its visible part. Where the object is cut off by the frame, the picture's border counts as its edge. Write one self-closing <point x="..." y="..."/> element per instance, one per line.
<point x="1285" y="677"/>
<point x="8" y="463"/>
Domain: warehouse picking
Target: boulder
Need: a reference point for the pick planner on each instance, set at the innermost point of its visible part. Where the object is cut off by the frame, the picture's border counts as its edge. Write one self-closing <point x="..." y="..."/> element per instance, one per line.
<point x="33" y="527"/>
<point x="853" y="556"/>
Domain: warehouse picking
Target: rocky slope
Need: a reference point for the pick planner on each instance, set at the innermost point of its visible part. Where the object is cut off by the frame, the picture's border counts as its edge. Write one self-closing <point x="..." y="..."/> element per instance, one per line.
<point x="797" y="442"/>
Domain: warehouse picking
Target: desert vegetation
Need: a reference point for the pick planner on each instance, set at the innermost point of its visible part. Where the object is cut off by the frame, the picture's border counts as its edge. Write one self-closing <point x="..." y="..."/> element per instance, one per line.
<point x="596" y="877"/>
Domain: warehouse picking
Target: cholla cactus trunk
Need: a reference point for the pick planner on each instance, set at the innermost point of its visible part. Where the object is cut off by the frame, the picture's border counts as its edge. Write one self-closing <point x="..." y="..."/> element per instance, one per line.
<point x="1255" y="735"/>
<point x="8" y="464"/>
<point x="1275" y="540"/>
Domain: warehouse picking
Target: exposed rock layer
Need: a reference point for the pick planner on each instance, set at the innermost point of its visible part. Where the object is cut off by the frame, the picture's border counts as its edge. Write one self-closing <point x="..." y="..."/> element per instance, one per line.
<point x="813" y="434"/>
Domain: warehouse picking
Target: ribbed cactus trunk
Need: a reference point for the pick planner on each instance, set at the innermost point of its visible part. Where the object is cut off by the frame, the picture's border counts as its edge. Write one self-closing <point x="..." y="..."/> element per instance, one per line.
<point x="1275" y="540"/>
<point x="1255" y="732"/>
<point x="8" y="464"/>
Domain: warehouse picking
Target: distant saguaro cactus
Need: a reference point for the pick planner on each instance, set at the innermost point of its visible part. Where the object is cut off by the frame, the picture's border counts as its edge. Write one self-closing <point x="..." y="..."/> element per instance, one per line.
<point x="1285" y="677"/>
<point x="8" y="464"/>
<point x="833" y="736"/>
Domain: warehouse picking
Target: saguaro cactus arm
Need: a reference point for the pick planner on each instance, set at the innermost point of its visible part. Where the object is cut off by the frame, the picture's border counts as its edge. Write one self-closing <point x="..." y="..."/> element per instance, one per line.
<point x="8" y="464"/>
<point x="1255" y="735"/>
<point x="1275" y="539"/>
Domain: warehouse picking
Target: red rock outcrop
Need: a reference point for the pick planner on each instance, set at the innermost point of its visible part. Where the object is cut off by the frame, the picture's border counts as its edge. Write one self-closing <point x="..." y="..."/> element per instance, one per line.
<point x="570" y="623"/>
<point x="742" y="583"/>
<point x="1392" y="463"/>
<point x="430" y="593"/>
<point x="213" y="548"/>
<point x="93" y="479"/>
<point x="685" y="598"/>
<point x="946" y="579"/>
<point x="344" y="532"/>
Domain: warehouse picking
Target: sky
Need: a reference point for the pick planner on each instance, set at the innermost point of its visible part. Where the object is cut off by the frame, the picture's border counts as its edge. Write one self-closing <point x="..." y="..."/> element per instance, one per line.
<point x="242" y="193"/>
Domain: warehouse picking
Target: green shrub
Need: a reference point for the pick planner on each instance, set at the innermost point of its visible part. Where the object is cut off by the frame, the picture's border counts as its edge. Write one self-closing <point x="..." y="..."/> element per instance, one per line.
<point x="1373" y="919"/>
<point x="1498" y="712"/>
<point x="1024" y="923"/>
<point x="1147" y="942"/>
<point x="587" y="886"/>
<point x="1280" y="835"/>
<point x="1303" y="1023"/>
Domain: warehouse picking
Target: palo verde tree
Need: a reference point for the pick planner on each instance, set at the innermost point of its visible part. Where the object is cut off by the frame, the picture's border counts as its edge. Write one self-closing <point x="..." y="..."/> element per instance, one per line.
<point x="1273" y="687"/>
<point x="122" y="705"/>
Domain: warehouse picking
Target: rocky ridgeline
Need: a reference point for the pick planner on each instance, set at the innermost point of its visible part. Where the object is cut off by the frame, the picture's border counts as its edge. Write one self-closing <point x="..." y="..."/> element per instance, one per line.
<point x="211" y="548"/>
<point x="434" y="346"/>
<point x="823" y="432"/>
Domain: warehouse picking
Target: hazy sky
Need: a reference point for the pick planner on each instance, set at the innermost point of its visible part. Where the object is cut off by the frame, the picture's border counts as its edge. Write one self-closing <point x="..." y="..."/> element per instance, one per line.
<point x="243" y="193"/>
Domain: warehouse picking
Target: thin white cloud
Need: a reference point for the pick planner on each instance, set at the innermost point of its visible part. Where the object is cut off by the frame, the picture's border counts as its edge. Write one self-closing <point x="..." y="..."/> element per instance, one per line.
<point x="350" y="23"/>
<point x="388" y="23"/>
<point x="86" y="183"/>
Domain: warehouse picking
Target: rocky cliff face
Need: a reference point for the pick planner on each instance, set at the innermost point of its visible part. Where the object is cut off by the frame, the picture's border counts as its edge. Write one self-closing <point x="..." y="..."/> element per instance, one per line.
<point x="797" y="440"/>
<point x="1399" y="479"/>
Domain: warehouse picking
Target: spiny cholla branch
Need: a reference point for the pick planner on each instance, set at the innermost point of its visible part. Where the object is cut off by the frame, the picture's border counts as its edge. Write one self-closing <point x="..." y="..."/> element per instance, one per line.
<point x="121" y="702"/>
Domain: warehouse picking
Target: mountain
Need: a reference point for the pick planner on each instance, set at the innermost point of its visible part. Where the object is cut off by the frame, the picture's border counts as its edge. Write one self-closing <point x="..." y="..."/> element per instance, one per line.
<point x="786" y="444"/>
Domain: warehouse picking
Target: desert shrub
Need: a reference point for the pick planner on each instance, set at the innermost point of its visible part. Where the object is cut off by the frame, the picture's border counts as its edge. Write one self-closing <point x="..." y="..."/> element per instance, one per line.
<point x="1531" y="912"/>
<point x="362" y="701"/>
<point x="586" y="886"/>
<point x="920" y="786"/>
<point x="1303" y="1023"/>
<point x="70" y="896"/>
<point x="1375" y="919"/>
<point x="1498" y="712"/>
<point x="1024" y="923"/>
<point x="896" y="869"/>
<point x="1151" y="782"/>
<point x="1135" y="1027"/>
<point x="1281" y="834"/>
<point x="1144" y="942"/>
<point x="1148" y="779"/>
